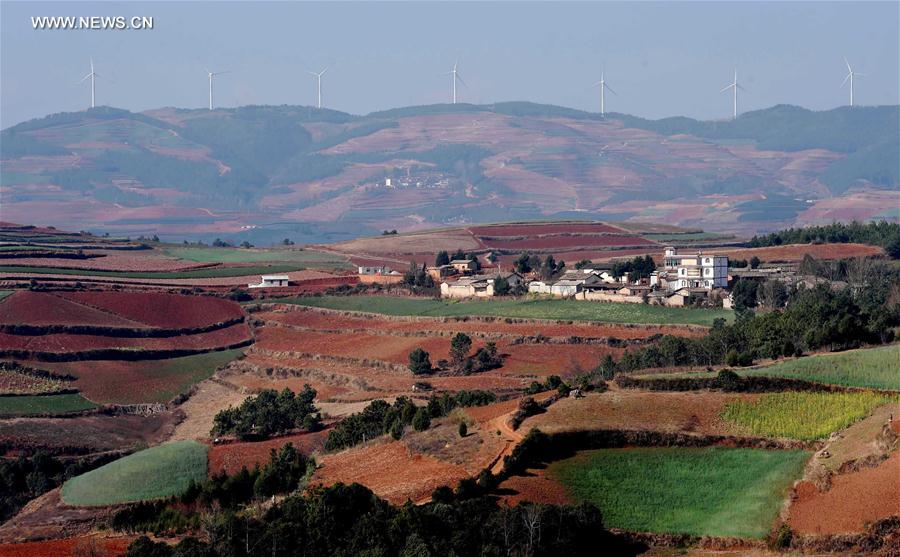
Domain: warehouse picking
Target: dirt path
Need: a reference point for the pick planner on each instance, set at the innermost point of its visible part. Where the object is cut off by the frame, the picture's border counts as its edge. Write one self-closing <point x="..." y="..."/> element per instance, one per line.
<point x="201" y="408"/>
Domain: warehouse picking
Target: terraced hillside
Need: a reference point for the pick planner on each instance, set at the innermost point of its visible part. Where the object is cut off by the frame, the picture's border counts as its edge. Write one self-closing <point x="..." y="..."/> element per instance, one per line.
<point x="321" y="175"/>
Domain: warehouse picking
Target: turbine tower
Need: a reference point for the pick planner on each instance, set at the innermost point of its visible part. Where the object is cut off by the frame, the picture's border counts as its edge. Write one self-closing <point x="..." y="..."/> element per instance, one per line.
<point x="603" y="88"/>
<point x="734" y="87"/>
<point x="850" y="75"/>
<point x="318" y="85"/>
<point x="455" y="77"/>
<point x="91" y="75"/>
<point x="210" y="76"/>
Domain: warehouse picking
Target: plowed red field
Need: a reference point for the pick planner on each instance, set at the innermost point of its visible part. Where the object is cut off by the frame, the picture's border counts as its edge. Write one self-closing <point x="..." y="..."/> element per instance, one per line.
<point x="568" y="242"/>
<point x="854" y="500"/>
<point x="795" y="252"/>
<point x="537" y="228"/>
<point x="231" y="457"/>
<point x="42" y="309"/>
<point x="70" y="547"/>
<point x="390" y="470"/>
<point x="66" y="343"/>
<point x="321" y="320"/>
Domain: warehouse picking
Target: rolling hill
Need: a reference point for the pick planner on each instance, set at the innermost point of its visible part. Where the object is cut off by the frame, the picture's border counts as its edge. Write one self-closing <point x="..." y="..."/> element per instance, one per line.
<point x="268" y="172"/>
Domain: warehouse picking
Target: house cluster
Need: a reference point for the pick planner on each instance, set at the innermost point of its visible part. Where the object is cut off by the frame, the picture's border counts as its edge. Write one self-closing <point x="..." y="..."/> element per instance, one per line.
<point x="683" y="279"/>
<point x="378" y="275"/>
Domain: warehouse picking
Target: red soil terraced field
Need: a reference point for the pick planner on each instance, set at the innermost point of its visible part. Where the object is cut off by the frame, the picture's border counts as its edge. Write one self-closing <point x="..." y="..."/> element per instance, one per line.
<point x="110" y="309"/>
<point x="567" y="242"/>
<point x="533" y="487"/>
<point x="854" y="500"/>
<point x="533" y="229"/>
<point x="308" y="280"/>
<point x="85" y="434"/>
<point x="390" y="470"/>
<point x="637" y="410"/>
<point x="530" y="359"/>
<point x="63" y="346"/>
<point x="111" y="261"/>
<point x="81" y="546"/>
<point x="329" y="321"/>
<point x="230" y="457"/>
<point x="794" y="252"/>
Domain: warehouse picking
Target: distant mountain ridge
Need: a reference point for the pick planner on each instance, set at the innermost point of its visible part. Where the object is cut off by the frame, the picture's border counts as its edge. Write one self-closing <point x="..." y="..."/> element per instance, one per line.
<point x="319" y="174"/>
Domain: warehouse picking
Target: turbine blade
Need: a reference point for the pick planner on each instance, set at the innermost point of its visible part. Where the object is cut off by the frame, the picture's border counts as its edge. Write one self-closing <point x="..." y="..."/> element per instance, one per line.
<point x="741" y="87"/>
<point x="857" y="74"/>
<point x="598" y="83"/>
<point x="727" y="87"/>
<point x="83" y="78"/>
<point x="610" y="89"/>
<point x="461" y="80"/>
<point x="323" y="72"/>
<point x="848" y="64"/>
<point x="845" y="80"/>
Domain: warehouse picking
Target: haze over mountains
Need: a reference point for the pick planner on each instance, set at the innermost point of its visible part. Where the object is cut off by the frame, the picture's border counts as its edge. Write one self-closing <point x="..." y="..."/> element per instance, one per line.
<point x="268" y="172"/>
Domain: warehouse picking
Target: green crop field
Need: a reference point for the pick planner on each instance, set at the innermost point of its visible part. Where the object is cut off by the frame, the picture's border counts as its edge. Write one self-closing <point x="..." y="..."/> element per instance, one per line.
<point x="5" y="293"/>
<point x="46" y="404"/>
<point x="211" y="272"/>
<point x="712" y="491"/>
<point x="800" y="415"/>
<point x="528" y="309"/>
<point x="304" y="257"/>
<point x="160" y="471"/>
<point x="876" y="368"/>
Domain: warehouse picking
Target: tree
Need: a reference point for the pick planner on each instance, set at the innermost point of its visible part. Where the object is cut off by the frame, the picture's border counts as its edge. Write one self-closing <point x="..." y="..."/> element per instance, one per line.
<point x="287" y="242"/>
<point x="459" y="349"/>
<point x="523" y="263"/>
<point x="421" y="421"/>
<point x="419" y="362"/>
<point x="501" y="286"/>
<point x="607" y="367"/>
<point x="459" y="255"/>
<point x="246" y="245"/>
<point x="754" y="262"/>
<point x="442" y="258"/>
<point x="463" y="429"/>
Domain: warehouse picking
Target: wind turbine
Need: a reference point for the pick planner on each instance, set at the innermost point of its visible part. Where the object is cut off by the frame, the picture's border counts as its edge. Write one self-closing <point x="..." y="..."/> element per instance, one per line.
<point x="91" y="75"/>
<point x="210" y="76"/>
<point x="603" y="87"/>
<point x="454" y="79"/>
<point x="850" y="75"/>
<point x="318" y="85"/>
<point x="734" y="87"/>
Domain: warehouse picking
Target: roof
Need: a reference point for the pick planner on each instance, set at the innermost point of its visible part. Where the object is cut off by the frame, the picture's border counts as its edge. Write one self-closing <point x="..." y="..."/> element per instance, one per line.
<point x="565" y="282"/>
<point x="276" y="277"/>
<point x="461" y="261"/>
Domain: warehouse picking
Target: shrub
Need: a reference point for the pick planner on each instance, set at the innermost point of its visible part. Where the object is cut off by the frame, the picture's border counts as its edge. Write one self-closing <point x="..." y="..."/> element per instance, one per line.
<point x="463" y="429"/>
<point x="419" y="362"/>
<point x="421" y="420"/>
<point x="269" y="413"/>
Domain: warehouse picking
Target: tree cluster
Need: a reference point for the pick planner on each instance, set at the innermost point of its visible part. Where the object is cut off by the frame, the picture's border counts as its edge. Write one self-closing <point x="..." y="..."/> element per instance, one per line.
<point x="531" y="263"/>
<point x="380" y="418"/>
<point x="812" y="319"/>
<point x="345" y="520"/>
<point x="417" y="277"/>
<point x="883" y="233"/>
<point x="270" y="413"/>
<point x="637" y="268"/>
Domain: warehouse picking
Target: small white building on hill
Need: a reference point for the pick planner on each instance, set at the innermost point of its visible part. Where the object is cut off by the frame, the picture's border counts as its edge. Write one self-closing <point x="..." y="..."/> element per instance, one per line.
<point x="696" y="270"/>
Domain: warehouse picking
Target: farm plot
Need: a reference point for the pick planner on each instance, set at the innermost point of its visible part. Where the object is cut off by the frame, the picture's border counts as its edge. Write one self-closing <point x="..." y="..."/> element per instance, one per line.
<point x="170" y="311"/>
<point x="389" y="469"/>
<point x="203" y="273"/>
<point x="711" y="491"/>
<point x="800" y="415"/>
<point x="792" y="253"/>
<point x="533" y="229"/>
<point x="68" y="547"/>
<point x="638" y="410"/>
<point x="565" y="310"/>
<point x="305" y="257"/>
<point x="566" y="242"/>
<point x="23" y="381"/>
<point x="314" y="319"/>
<point x="161" y="471"/>
<point x="25" y="405"/>
<point x="65" y="346"/>
<point x="875" y="368"/>
<point x="230" y="457"/>
<point x="854" y="500"/>
<point x="85" y="434"/>
<point x="111" y="261"/>
<point x="126" y="382"/>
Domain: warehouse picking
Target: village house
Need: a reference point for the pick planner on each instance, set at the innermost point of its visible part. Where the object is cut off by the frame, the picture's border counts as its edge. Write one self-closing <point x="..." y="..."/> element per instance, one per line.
<point x="271" y="281"/>
<point x="696" y="270"/>
<point x="464" y="266"/>
<point x="379" y="275"/>
<point x="478" y="286"/>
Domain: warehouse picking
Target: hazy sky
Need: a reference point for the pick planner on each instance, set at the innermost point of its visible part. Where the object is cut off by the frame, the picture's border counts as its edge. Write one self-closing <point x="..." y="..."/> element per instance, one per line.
<point x="663" y="59"/>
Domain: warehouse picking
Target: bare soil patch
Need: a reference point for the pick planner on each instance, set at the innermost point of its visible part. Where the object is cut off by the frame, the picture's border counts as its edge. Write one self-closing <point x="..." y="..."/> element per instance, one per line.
<point x="230" y="457"/>
<point x="199" y="410"/>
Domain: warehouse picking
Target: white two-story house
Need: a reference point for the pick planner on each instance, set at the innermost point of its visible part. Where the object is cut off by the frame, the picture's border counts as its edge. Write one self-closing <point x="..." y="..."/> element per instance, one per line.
<point x="696" y="270"/>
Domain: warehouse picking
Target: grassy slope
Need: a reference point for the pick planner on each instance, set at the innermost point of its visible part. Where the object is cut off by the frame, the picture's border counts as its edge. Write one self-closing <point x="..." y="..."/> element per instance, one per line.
<point x="153" y="473"/>
<point x="305" y="257"/>
<point x="800" y="415"/>
<point x="5" y="293"/>
<point x="710" y="491"/>
<point x="875" y="368"/>
<point x="48" y="404"/>
<point x="213" y="272"/>
<point x="533" y="309"/>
